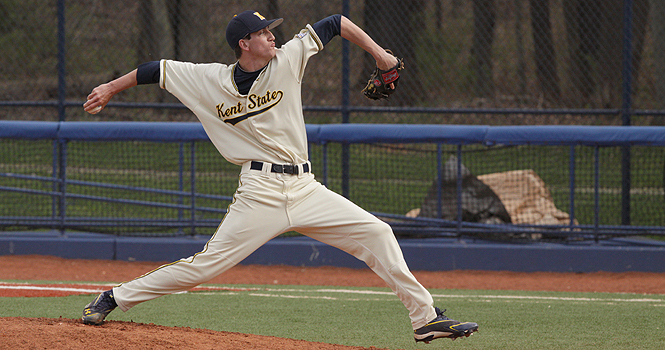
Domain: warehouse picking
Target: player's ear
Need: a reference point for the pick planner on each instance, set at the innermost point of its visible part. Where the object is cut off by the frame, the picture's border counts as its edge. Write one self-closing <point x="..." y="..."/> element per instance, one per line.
<point x="244" y="45"/>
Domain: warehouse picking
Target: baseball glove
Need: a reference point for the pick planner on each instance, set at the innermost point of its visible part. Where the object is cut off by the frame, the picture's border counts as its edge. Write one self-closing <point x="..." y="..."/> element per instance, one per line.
<point x="378" y="86"/>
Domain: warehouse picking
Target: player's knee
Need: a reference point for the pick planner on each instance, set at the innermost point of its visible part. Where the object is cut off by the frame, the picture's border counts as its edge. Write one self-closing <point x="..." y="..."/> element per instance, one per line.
<point x="382" y="229"/>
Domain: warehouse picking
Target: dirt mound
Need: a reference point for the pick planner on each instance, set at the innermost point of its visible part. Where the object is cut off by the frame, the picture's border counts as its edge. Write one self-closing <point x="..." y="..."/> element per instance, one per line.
<point x="49" y="333"/>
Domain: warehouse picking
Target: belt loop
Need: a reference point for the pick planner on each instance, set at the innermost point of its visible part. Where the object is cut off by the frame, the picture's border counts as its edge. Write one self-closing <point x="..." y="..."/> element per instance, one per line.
<point x="245" y="167"/>
<point x="301" y="169"/>
<point x="266" y="170"/>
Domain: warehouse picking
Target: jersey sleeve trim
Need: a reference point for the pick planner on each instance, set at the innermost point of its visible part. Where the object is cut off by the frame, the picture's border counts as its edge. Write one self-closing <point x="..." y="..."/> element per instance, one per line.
<point x="162" y="76"/>
<point x="315" y="37"/>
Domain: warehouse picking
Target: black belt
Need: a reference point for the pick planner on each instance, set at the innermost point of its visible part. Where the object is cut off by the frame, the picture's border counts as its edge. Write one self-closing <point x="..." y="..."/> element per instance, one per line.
<point x="278" y="168"/>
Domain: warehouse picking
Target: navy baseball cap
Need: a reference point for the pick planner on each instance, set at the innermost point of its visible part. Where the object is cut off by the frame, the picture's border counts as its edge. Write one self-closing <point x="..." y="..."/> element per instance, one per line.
<point x="247" y="22"/>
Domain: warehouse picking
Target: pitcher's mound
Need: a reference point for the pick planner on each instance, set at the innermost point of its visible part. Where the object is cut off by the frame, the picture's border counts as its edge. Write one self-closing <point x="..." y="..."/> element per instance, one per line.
<point x="63" y="333"/>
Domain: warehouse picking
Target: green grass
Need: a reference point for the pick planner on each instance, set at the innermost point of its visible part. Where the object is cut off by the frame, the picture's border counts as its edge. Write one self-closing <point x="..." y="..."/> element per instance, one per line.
<point x="507" y="319"/>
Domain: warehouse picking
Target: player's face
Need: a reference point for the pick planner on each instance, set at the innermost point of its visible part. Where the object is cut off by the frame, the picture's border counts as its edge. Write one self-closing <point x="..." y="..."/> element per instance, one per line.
<point x="262" y="44"/>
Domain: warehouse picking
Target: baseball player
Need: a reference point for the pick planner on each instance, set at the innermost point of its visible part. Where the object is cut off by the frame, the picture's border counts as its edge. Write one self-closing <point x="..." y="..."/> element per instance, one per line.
<point x="252" y="113"/>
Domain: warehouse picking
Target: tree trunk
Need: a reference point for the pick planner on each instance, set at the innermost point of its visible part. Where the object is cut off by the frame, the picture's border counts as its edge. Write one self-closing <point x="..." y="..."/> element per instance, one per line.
<point x="394" y="30"/>
<point x="583" y="24"/>
<point x="147" y="43"/>
<point x="484" y="18"/>
<point x="274" y="12"/>
<point x="640" y="23"/>
<point x="175" y="20"/>
<point x="519" y="42"/>
<point x="658" y="30"/>
<point x="154" y="40"/>
<point x="596" y="37"/>
<point x="545" y="56"/>
<point x="188" y="20"/>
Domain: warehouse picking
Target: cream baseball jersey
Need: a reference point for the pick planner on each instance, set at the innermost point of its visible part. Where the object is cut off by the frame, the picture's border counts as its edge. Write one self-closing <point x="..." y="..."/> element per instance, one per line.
<point x="266" y="124"/>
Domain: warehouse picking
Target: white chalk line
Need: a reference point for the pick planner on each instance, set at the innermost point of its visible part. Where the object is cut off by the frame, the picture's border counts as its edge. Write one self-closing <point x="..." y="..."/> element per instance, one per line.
<point x="70" y="288"/>
<point x="85" y="288"/>
<point x="450" y="296"/>
<point x="235" y="291"/>
<point x="56" y="289"/>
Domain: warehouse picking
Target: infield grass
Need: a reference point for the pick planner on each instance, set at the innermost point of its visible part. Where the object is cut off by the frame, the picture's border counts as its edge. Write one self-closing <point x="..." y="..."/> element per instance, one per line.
<point x="375" y="317"/>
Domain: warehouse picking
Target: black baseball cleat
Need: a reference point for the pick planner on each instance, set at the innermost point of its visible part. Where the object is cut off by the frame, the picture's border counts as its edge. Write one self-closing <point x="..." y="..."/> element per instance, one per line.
<point x="95" y="312"/>
<point x="443" y="327"/>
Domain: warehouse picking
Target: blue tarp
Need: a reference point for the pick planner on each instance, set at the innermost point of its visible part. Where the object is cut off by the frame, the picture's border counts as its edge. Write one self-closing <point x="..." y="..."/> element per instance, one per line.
<point x="351" y="133"/>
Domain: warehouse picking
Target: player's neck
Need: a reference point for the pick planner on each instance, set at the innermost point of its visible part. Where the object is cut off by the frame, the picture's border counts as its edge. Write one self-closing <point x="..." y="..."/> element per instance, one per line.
<point x="251" y="65"/>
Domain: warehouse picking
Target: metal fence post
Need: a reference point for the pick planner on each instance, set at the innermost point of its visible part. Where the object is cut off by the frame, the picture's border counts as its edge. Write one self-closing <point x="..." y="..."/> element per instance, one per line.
<point x="62" y="177"/>
<point x="596" y="191"/>
<point x="62" y="96"/>
<point x="459" y="190"/>
<point x="62" y="73"/>
<point x="346" y="166"/>
<point x="572" y="186"/>
<point x="626" y="107"/>
<point x="55" y="168"/>
<point x="324" y="159"/>
<point x="181" y="185"/>
<point x="439" y="179"/>
<point x="193" y="188"/>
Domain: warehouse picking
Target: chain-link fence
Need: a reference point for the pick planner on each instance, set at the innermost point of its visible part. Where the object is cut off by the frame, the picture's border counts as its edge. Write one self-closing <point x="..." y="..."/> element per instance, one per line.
<point x="468" y="61"/>
<point x="509" y="183"/>
<point x="491" y="62"/>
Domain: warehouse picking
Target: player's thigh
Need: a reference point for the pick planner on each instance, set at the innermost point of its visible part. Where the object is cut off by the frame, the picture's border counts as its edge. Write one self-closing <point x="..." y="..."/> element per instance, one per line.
<point x="249" y="223"/>
<point x="330" y="218"/>
<point x="325" y="211"/>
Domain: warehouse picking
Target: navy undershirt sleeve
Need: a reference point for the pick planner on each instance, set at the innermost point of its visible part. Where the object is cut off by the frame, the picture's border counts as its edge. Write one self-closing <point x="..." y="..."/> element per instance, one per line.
<point x="328" y="28"/>
<point x="148" y="73"/>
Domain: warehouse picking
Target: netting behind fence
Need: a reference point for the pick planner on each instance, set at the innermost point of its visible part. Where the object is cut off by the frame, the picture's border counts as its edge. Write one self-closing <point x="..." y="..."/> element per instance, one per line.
<point x="183" y="186"/>
<point x="397" y="179"/>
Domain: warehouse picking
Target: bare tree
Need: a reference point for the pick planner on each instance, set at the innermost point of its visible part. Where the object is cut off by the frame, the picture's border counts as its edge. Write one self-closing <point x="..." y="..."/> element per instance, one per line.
<point x="519" y="42"/>
<point x="596" y="38"/>
<point x="274" y="12"/>
<point x="544" y="55"/>
<point x="484" y="18"/>
<point x="147" y="44"/>
<point x="395" y="30"/>
<point x="658" y="30"/>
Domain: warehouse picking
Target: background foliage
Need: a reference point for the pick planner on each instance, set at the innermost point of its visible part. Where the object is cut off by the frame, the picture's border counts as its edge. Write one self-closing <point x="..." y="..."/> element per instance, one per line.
<point x="505" y="54"/>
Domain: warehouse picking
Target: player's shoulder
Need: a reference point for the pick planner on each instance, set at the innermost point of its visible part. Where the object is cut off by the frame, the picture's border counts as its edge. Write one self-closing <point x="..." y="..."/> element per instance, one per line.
<point x="200" y="65"/>
<point x="216" y="67"/>
<point x="306" y="38"/>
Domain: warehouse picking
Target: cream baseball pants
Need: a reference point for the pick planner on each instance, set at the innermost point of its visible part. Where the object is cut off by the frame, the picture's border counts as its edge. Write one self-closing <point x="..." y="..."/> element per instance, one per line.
<point x="268" y="204"/>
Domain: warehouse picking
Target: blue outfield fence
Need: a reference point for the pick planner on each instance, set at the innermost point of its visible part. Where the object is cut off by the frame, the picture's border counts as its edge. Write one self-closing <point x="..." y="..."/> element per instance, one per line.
<point x="509" y="183"/>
